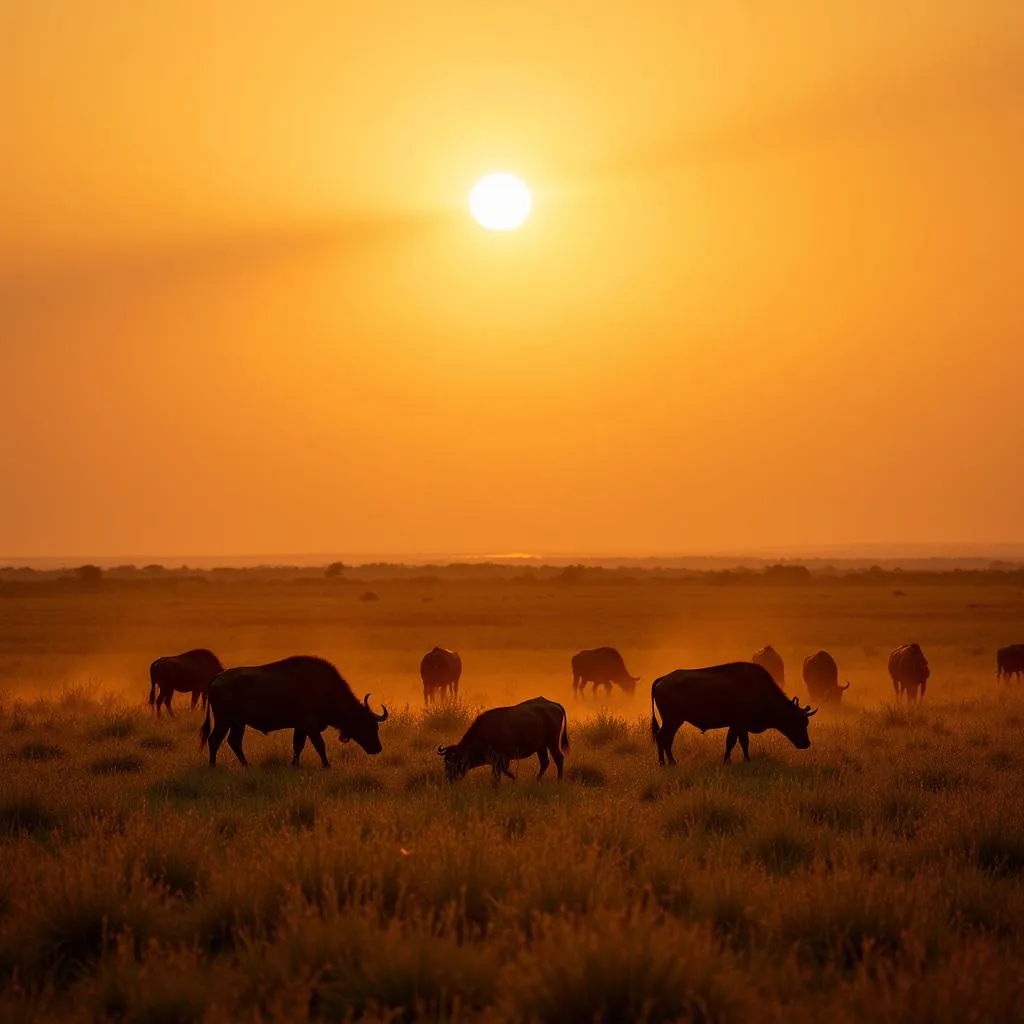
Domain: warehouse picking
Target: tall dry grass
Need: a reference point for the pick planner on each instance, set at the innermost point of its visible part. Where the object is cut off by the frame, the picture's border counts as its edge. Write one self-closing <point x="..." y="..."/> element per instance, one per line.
<point x="878" y="875"/>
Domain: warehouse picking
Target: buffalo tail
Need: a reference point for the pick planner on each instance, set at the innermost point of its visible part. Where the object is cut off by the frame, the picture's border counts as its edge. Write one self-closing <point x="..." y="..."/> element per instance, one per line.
<point x="655" y="730"/>
<point x="204" y="730"/>
<point x="565" y="730"/>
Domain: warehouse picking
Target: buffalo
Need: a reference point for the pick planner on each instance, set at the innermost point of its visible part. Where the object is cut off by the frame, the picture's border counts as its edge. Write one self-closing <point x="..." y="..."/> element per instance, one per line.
<point x="821" y="675"/>
<point x="741" y="697"/>
<point x="601" y="666"/>
<point x="506" y="734"/>
<point x="909" y="671"/>
<point x="301" y="693"/>
<point x="440" y="671"/>
<point x="1010" y="662"/>
<point x="770" y="659"/>
<point x="190" y="672"/>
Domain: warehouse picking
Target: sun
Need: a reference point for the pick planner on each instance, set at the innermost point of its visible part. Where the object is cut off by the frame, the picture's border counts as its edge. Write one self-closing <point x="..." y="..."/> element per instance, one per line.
<point x="500" y="202"/>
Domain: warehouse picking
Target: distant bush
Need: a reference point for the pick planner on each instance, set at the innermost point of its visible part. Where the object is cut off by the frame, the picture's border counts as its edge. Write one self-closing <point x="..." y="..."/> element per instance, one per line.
<point x="334" y="570"/>
<point x="89" y="577"/>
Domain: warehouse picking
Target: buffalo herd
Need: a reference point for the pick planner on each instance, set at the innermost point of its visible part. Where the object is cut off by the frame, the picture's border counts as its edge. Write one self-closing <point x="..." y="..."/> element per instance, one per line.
<point x="308" y="696"/>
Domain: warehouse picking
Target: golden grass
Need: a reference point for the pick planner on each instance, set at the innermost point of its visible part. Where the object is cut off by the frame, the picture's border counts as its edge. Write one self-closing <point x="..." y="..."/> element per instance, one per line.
<point x="878" y="875"/>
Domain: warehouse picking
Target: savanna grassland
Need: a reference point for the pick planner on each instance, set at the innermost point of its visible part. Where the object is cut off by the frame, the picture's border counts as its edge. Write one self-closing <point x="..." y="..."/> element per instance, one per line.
<point x="877" y="876"/>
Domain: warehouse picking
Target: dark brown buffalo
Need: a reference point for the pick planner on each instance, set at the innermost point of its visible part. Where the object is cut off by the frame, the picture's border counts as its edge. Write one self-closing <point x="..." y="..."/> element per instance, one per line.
<point x="821" y="674"/>
<point x="909" y="671"/>
<point x="601" y="666"/>
<point x="1010" y="662"/>
<point x="770" y="659"/>
<point x="190" y="672"/>
<point x="741" y="697"/>
<point x="501" y="735"/>
<point x="302" y="693"/>
<point x="440" y="671"/>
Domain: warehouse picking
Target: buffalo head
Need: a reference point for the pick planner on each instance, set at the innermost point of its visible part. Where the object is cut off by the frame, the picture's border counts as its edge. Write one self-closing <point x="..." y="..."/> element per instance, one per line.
<point x="362" y="726"/>
<point x="794" y="724"/>
<point x="456" y="764"/>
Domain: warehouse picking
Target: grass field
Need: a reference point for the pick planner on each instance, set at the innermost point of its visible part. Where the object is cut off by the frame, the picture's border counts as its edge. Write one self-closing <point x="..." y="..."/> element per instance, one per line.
<point x="878" y="875"/>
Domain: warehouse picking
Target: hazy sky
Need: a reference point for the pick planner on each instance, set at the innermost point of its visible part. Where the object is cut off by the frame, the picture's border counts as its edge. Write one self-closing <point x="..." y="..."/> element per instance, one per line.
<point x="772" y="291"/>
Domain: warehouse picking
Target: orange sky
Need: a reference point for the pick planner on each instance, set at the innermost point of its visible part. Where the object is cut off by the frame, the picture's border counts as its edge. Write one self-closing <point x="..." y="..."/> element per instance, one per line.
<point x="770" y="293"/>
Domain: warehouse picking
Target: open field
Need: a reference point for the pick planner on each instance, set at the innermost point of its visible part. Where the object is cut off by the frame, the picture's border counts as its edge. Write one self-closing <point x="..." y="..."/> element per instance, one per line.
<point x="878" y="875"/>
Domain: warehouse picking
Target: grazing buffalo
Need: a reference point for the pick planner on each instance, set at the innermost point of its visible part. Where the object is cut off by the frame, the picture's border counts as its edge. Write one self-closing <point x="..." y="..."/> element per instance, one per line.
<point x="1010" y="661"/>
<point x="190" y="672"/>
<point x="602" y="666"/>
<point x="822" y="678"/>
<point x="909" y="670"/>
<point x="501" y="735"/>
<point x="301" y="693"/>
<point x="741" y="697"/>
<point x="440" y="671"/>
<point x="770" y="659"/>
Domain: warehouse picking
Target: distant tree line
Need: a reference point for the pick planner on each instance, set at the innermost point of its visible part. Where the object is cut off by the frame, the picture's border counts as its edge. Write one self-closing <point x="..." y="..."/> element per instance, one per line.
<point x="94" y="578"/>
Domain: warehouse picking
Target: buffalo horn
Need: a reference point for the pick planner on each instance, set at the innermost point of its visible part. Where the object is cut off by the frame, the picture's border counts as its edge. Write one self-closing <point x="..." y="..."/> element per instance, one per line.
<point x="847" y="686"/>
<point x="380" y="718"/>
<point x="809" y="711"/>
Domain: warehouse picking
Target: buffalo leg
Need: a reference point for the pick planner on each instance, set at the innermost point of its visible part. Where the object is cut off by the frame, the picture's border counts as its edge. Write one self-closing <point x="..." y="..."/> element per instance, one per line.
<point x="195" y="699"/>
<point x="426" y="696"/>
<point x="318" y="745"/>
<point x="667" y="737"/>
<point x="744" y="743"/>
<point x="298" y="742"/>
<point x="167" y="702"/>
<point x="235" y="734"/>
<point x="542" y="756"/>
<point x="556" y="756"/>
<point x="216" y="739"/>
<point x="730" y="742"/>
<point x="495" y="773"/>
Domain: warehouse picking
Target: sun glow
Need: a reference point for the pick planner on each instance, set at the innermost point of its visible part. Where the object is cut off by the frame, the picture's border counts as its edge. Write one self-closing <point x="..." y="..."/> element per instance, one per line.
<point x="500" y="202"/>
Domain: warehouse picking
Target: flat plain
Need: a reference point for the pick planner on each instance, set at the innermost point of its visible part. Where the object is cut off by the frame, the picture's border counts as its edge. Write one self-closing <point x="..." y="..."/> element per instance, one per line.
<point x="877" y="875"/>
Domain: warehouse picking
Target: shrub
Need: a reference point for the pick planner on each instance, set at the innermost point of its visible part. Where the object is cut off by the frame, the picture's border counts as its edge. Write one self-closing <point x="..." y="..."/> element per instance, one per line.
<point x="117" y="727"/>
<point x="357" y="782"/>
<point x="705" y="814"/>
<point x="446" y="717"/>
<point x="119" y="764"/>
<point x="1000" y="852"/>
<point x="157" y="743"/>
<point x="782" y="852"/>
<point x="603" y="729"/>
<point x="178" y="870"/>
<point x="26" y="813"/>
<point x="40" y="752"/>
<point x="587" y="775"/>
